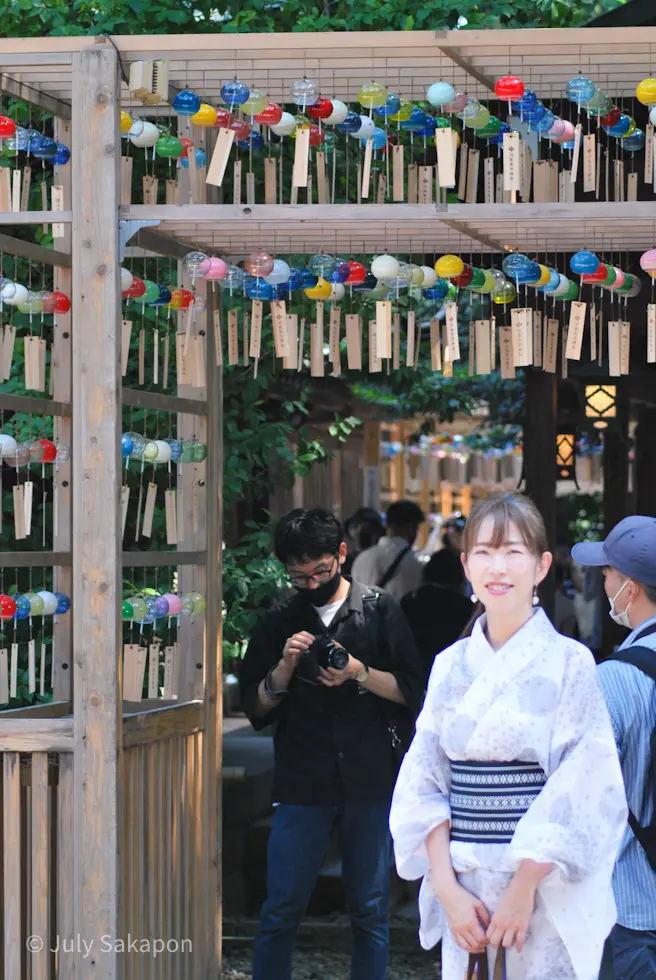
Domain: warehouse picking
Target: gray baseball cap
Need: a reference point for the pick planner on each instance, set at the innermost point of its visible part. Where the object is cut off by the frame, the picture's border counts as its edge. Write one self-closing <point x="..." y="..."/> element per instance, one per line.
<point x="630" y="548"/>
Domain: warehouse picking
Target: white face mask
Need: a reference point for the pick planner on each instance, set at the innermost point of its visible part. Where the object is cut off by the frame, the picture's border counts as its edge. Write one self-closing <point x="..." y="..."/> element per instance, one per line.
<point x="621" y="618"/>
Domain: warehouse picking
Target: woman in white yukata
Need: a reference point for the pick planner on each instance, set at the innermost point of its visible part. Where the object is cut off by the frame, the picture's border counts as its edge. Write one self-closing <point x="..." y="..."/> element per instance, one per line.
<point x="510" y="801"/>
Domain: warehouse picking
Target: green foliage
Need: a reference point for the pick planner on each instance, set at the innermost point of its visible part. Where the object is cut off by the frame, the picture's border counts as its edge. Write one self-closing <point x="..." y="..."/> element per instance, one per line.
<point x="59" y="17"/>
<point x="583" y="516"/>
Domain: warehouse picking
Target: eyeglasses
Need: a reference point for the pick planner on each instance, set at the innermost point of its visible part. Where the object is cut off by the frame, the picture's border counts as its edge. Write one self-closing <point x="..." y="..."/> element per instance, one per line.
<point x="320" y="576"/>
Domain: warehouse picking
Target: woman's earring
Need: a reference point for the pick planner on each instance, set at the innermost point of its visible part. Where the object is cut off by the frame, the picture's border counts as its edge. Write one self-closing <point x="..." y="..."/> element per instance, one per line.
<point x="474" y="598"/>
<point x="536" y="598"/>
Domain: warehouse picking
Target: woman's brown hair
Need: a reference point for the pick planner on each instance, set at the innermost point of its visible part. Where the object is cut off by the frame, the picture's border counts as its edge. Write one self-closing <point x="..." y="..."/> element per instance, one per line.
<point x="505" y="509"/>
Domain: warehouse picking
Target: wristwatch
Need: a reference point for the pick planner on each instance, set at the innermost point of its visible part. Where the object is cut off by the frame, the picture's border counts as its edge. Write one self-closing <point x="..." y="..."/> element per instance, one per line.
<point x="362" y="675"/>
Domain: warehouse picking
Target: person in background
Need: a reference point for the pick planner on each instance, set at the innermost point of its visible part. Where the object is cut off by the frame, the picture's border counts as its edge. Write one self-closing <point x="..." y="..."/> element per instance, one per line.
<point x="392" y="565"/>
<point x="363" y="530"/>
<point x="452" y="532"/>
<point x="438" y="610"/>
<point x="564" y="609"/>
<point x="628" y="680"/>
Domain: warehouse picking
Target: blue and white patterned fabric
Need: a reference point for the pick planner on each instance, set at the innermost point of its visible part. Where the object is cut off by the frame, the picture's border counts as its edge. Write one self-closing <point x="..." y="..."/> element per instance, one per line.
<point x="488" y="799"/>
<point x="631" y="699"/>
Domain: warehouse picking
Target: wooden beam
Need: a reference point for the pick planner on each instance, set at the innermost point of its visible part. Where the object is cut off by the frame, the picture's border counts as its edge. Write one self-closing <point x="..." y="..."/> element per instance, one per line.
<point x="33" y="96"/>
<point x="30" y="559"/>
<point x="96" y="506"/>
<point x="35" y="217"/>
<point x="164" y="721"/>
<point x="37" y="734"/>
<point x="162" y="559"/>
<point x="34" y="405"/>
<point x="153" y="241"/>
<point x="159" y="402"/>
<point x="465" y="63"/>
<point x="36" y="253"/>
<point x="462" y="228"/>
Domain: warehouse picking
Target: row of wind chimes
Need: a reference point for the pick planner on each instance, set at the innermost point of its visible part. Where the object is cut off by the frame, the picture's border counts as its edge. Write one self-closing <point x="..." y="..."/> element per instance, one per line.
<point x="18" y="643"/>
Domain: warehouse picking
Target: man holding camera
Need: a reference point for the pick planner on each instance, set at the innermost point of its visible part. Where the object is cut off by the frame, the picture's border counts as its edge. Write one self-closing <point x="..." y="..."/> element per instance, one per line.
<point x="335" y="667"/>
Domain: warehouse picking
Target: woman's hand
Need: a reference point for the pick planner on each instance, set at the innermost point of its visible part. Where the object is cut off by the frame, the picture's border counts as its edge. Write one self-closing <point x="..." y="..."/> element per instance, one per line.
<point x="510" y="922"/>
<point x="467" y="917"/>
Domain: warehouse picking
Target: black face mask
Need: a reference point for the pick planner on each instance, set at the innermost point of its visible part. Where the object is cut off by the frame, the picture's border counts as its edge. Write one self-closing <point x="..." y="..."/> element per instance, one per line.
<point x="322" y="595"/>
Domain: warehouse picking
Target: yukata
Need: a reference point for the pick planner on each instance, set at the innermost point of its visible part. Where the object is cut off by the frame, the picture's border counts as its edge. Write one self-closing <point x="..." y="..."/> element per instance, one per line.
<point x="515" y="749"/>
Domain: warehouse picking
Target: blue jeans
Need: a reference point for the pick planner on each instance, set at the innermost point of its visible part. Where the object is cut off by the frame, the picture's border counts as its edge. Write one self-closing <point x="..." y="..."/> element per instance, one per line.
<point x="634" y="953"/>
<point x="297" y="847"/>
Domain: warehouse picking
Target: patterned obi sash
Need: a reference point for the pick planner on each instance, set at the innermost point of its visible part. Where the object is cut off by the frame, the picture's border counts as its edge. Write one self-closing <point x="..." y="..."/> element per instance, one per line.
<point x="488" y="799"/>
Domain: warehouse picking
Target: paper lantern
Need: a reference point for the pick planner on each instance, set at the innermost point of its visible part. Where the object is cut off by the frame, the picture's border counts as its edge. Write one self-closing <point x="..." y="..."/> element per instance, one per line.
<point x="385" y="267"/>
<point x="584" y="263"/>
<point x="449" y="266"/>
<point x="646" y="91"/>
<point x="440" y="93"/>
<point x="509" y="87"/>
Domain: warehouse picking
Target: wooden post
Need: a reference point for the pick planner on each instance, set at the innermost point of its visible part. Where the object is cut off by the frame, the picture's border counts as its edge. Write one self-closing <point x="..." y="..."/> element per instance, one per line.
<point x="212" y="741"/>
<point x="540" y="430"/>
<point x="97" y="537"/>
<point x="62" y="667"/>
<point x="645" y="462"/>
<point x="616" y="490"/>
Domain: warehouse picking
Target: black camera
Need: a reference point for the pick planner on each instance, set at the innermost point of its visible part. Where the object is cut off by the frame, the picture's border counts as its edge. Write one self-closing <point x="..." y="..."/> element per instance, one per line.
<point x="323" y="652"/>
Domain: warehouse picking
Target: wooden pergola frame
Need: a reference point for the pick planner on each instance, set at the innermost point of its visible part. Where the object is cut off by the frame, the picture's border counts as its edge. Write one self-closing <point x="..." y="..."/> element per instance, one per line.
<point x="110" y="754"/>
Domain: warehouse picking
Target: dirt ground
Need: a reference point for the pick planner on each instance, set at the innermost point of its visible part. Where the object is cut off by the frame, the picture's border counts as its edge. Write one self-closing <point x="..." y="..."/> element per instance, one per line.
<point x="333" y="965"/>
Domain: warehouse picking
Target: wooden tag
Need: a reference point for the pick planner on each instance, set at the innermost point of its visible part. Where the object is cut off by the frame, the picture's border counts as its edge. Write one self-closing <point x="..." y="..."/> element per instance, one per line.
<point x="453" y="341"/>
<point x="396" y="341"/>
<point x="126" y="335"/>
<point x="250" y="187"/>
<point x="600" y="336"/>
<point x="651" y="333"/>
<point x="445" y="144"/>
<point x="375" y="363"/>
<point x="165" y="365"/>
<point x="126" y="180"/>
<point x="471" y="349"/>
<point x="270" y="181"/>
<point x="130" y="659"/>
<point x="522" y="335"/>
<point x="301" y="157"/>
<point x="256" y="327"/>
<point x="333" y="337"/>
<point x="142" y="357"/>
<point x="28" y="497"/>
<point x="233" y="337"/>
<point x="384" y="328"/>
<point x="31" y="666"/>
<point x="649" y="154"/>
<point x="57" y="203"/>
<point x="25" y="193"/>
<point x="236" y="182"/>
<point x="16" y="190"/>
<point x="7" y="352"/>
<point x="13" y="671"/>
<point x="125" y="501"/>
<point x="35" y="363"/>
<point x="155" y="357"/>
<point x="447" y="362"/>
<point x="149" y="510"/>
<point x="488" y="180"/>
<point x="511" y="163"/>
<point x="577" y="315"/>
<point x="618" y="177"/>
<point x="4" y="677"/>
<point x="537" y="339"/>
<point x="413" y="183"/>
<point x="482" y="344"/>
<point x="219" y="162"/>
<point x="19" y="512"/>
<point x="366" y="170"/>
<point x="410" y="345"/>
<point x="576" y="153"/>
<point x="493" y="343"/>
<point x="153" y="670"/>
<point x="506" y="351"/>
<point x="632" y="187"/>
<point x="170" y="687"/>
<point x="280" y="335"/>
<point x="353" y="342"/>
<point x="149" y="187"/>
<point x="42" y="670"/>
<point x="435" y="344"/>
<point x="550" y="357"/>
<point x="398" y="173"/>
<point x="180" y="514"/>
<point x="316" y="350"/>
<point x="197" y="361"/>
<point x="290" y="362"/>
<point x="382" y="189"/>
<point x="425" y="193"/>
<point x="5" y="189"/>
<point x="473" y="162"/>
<point x="625" y="347"/>
<point x="593" y="332"/>
<point x="301" y="343"/>
<point x="540" y="182"/>
<point x="589" y="163"/>
<point x="218" y="340"/>
<point x="614" y="348"/>
<point x="172" y="192"/>
<point x="525" y="171"/>
<point x="171" y="517"/>
<point x="462" y="171"/>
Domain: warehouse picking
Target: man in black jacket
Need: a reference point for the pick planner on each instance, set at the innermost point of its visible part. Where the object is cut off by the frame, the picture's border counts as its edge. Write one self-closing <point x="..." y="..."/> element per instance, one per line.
<point x="339" y="732"/>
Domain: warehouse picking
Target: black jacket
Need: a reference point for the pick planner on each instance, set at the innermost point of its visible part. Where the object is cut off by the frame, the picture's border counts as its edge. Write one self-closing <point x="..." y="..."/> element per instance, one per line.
<point x="334" y="744"/>
<point x="437" y="617"/>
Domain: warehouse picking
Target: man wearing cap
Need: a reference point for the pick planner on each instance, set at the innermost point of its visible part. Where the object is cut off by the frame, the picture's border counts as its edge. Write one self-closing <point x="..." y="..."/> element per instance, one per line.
<point x="628" y="559"/>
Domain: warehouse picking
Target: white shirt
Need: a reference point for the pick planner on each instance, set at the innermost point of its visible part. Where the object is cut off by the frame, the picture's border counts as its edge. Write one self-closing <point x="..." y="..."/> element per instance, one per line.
<point x="370" y="566"/>
<point x="328" y="613"/>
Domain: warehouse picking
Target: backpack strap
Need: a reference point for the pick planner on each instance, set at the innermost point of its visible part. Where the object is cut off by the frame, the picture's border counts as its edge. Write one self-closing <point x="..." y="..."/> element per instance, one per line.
<point x="644" y="659"/>
<point x="391" y="571"/>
